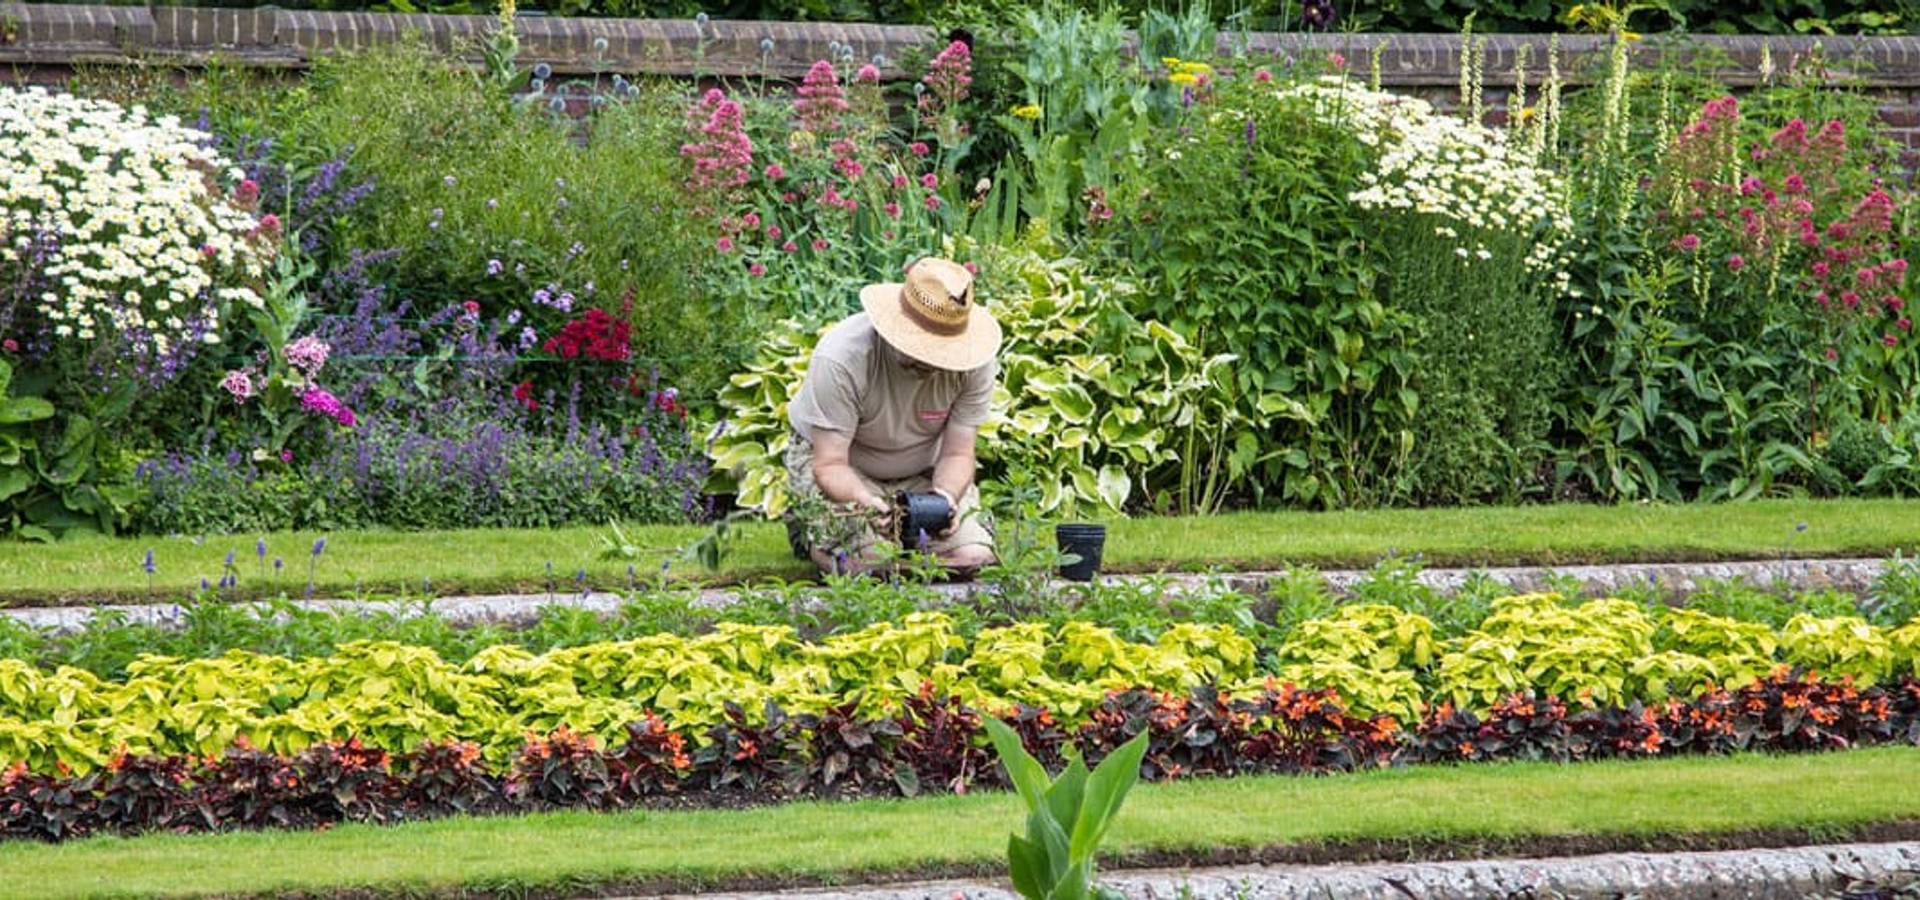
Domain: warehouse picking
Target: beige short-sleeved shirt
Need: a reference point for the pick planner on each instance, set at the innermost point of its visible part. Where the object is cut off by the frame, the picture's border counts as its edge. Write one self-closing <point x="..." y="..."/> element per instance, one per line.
<point x="856" y="385"/>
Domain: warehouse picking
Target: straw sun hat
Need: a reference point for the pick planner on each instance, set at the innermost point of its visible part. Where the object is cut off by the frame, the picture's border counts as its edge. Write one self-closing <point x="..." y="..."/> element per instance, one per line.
<point x="932" y="317"/>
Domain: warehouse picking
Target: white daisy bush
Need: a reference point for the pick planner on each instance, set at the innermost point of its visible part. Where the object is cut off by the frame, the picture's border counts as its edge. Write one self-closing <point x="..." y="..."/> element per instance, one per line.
<point x="140" y="231"/>
<point x="1470" y="179"/>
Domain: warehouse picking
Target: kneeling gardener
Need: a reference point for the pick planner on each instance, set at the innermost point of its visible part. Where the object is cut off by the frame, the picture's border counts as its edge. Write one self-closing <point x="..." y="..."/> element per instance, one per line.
<point x="893" y="401"/>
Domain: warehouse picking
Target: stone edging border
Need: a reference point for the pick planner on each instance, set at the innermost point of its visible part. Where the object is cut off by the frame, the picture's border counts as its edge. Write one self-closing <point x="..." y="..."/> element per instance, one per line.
<point x="55" y="34"/>
<point x="1759" y="873"/>
<point x="1679" y="579"/>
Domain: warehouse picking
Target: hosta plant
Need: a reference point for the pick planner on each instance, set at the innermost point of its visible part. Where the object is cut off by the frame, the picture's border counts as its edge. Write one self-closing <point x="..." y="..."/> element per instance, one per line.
<point x="1066" y="817"/>
<point x="1101" y="408"/>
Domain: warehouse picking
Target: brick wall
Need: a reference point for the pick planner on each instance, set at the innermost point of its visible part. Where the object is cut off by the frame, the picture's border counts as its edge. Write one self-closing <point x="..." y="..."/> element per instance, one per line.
<point x="44" y="42"/>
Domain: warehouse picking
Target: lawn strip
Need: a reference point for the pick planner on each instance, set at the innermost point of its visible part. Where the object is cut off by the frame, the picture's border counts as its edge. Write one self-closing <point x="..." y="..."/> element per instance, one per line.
<point x="389" y="563"/>
<point x="1428" y="811"/>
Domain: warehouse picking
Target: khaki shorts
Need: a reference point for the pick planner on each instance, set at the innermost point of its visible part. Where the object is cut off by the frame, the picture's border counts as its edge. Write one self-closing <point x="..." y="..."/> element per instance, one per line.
<point x="851" y="532"/>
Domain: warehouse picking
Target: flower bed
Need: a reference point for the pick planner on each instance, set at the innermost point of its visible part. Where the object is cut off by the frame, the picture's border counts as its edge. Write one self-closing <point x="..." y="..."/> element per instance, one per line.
<point x="929" y="744"/>
<point x="751" y="712"/>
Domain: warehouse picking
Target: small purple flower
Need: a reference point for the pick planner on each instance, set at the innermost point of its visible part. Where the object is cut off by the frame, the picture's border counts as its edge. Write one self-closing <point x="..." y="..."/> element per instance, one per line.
<point x="564" y="302"/>
<point x="513" y="317"/>
<point x="203" y="584"/>
<point x="230" y="554"/>
<point x="449" y="181"/>
<point x="319" y="545"/>
<point x="495" y="267"/>
<point x="148" y="563"/>
<point x="260" y="548"/>
<point x="492" y="203"/>
<point x="542" y="297"/>
<point x="278" y="563"/>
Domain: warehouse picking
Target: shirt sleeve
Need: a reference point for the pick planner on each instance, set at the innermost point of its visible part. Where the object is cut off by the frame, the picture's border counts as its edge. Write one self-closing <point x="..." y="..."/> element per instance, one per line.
<point x="975" y="404"/>
<point x="831" y="398"/>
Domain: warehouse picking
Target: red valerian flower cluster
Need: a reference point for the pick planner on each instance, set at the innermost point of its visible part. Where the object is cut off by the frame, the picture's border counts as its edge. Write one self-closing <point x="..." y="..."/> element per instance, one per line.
<point x="1780" y="210"/>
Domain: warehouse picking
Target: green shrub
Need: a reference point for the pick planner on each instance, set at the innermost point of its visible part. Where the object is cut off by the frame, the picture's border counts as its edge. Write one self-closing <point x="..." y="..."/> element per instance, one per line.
<point x="464" y="178"/>
<point x="1245" y="240"/>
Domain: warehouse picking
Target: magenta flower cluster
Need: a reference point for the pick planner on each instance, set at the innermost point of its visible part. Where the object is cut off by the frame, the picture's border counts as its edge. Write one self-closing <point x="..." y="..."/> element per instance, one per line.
<point x="321" y="401"/>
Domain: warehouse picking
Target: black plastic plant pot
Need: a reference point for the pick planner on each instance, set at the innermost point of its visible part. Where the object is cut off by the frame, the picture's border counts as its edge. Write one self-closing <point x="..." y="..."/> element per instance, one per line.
<point x="1083" y="541"/>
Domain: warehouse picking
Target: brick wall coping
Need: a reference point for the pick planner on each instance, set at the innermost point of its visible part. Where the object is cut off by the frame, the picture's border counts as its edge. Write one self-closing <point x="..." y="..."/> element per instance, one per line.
<point x="55" y="35"/>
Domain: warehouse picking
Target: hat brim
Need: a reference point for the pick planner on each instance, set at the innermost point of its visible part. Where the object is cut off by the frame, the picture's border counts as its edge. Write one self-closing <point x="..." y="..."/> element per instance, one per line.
<point x="963" y="352"/>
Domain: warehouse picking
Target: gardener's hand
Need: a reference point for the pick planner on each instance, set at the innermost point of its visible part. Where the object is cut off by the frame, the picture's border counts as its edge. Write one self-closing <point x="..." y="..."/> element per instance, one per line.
<point x="878" y="511"/>
<point x="953" y="514"/>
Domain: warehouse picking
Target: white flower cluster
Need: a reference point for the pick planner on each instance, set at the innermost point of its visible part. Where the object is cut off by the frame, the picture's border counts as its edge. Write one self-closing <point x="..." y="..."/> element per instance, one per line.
<point x="1443" y="166"/>
<point x="146" y="241"/>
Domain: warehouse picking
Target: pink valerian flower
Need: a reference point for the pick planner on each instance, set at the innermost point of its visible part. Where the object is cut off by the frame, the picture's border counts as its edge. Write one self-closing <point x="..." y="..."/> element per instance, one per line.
<point x="773" y="232"/>
<point x="239" y="383"/>
<point x="868" y="74"/>
<point x="1890" y="340"/>
<point x="789" y="247"/>
<point x="919" y="148"/>
<point x="821" y="102"/>
<point x="1832" y="354"/>
<point x="721" y="153"/>
<point x="750" y="220"/>
<point x="820" y="244"/>
<point x="1262" y="76"/>
<point x="1688" y="242"/>
<point x="948" y="75"/>
<point x="247" y="192"/>
<point x="933" y="201"/>
<point x="723" y="244"/>
<point x="899" y="181"/>
<point x="1736" y="262"/>
<point x="849" y="167"/>
<point x="930" y="181"/>
<point x="756" y="270"/>
<point x="1337" y="60"/>
<point x="1905" y="324"/>
<point x="286" y="456"/>
<point x="320" y="401"/>
<point x="774" y="172"/>
<point x="893" y="210"/>
<point x="307" y="354"/>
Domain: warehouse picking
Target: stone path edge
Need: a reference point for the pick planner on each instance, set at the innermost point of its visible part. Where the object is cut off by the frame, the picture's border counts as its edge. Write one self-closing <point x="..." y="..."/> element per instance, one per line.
<point x="1677" y="579"/>
<point x="1788" y="872"/>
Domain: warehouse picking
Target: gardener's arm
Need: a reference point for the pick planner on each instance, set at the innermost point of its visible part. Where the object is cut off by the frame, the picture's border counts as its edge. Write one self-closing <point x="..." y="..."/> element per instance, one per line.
<point x="953" y="470"/>
<point x="833" y="472"/>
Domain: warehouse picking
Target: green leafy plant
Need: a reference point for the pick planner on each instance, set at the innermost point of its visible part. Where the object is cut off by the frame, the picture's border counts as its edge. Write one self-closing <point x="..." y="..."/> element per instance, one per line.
<point x="1066" y="816"/>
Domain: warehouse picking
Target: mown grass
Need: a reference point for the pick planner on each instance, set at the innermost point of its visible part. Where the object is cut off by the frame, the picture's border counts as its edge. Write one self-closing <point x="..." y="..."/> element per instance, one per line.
<point x="835" y="843"/>
<point x="446" y="562"/>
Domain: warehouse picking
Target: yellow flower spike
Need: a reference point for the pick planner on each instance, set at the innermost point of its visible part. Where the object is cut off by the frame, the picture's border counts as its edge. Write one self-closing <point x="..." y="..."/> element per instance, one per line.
<point x="1630" y="36"/>
<point x="1183" y="78"/>
<point x="1170" y="61"/>
<point x="1029" y="111"/>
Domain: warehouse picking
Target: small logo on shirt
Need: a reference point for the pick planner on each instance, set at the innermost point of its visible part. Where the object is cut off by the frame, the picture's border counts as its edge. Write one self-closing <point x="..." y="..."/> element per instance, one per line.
<point x="933" y="415"/>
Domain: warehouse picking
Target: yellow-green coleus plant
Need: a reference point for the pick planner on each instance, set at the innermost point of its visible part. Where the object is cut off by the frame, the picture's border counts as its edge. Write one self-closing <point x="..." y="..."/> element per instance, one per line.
<point x="1096" y="405"/>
